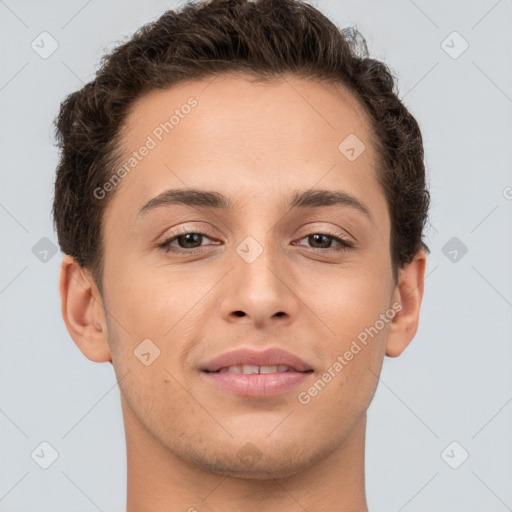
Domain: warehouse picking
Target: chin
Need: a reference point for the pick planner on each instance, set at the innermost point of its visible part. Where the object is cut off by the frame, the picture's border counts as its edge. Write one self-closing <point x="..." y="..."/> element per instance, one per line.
<point x="264" y="470"/>
<point x="250" y="462"/>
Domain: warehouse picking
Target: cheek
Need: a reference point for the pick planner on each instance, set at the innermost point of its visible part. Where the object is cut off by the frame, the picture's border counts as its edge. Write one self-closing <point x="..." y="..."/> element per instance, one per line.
<point x="346" y="384"/>
<point x="353" y="315"/>
<point x="148" y="302"/>
<point x="347" y="302"/>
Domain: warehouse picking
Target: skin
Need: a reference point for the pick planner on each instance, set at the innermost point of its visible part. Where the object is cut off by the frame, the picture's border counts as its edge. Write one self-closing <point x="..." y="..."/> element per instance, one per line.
<point x="255" y="143"/>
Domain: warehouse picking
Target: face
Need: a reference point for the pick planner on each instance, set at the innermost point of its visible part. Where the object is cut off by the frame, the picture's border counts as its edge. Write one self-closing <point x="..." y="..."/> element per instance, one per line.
<point x="246" y="267"/>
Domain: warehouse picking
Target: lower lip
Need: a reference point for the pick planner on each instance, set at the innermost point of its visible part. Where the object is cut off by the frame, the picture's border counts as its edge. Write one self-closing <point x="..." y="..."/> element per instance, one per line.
<point x="257" y="384"/>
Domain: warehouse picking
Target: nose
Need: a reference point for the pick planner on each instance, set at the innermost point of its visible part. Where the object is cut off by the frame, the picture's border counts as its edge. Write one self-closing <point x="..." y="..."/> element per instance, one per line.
<point x="260" y="292"/>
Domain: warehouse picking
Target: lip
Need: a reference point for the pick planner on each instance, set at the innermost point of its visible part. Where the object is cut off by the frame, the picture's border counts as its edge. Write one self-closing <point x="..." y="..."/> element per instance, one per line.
<point x="269" y="357"/>
<point x="257" y="385"/>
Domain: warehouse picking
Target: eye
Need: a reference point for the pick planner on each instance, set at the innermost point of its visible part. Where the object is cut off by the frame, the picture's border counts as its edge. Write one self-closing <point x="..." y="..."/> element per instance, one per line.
<point x="187" y="241"/>
<point x="324" y="241"/>
<point x="191" y="241"/>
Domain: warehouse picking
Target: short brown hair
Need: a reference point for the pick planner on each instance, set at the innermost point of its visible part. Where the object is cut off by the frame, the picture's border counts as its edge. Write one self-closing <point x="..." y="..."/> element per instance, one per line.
<point x="263" y="38"/>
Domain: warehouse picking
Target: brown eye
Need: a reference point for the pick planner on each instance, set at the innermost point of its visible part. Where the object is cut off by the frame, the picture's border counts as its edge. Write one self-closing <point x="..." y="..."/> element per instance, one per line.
<point x="189" y="240"/>
<point x="186" y="242"/>
<point x="325" y="241"/>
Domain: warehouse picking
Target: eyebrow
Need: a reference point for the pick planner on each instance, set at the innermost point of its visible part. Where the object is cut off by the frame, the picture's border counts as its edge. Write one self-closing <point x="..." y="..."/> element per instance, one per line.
<point x="313" y="198"/>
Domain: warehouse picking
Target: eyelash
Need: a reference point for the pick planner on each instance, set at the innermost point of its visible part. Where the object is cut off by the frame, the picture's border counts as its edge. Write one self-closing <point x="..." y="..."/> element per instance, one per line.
<point x="167" y="248"/>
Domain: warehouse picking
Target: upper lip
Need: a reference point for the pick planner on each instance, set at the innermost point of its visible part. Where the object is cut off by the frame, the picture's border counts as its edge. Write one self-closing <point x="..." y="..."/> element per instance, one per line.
<point x="246" y="356"/>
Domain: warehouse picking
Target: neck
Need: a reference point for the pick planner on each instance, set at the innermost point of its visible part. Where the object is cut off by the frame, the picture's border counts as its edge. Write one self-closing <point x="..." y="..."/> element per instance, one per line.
<point x="160" y="481"/>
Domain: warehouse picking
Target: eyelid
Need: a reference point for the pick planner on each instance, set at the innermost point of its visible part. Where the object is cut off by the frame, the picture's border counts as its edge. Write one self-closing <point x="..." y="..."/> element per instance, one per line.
<point x="343" y="243"/>
<point x="165" y="244"/>
<point x="316" y="227"/>
<point x="183" y="229"/>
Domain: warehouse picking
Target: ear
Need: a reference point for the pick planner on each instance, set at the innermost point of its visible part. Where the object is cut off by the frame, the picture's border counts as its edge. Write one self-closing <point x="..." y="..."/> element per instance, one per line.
<point x="408" y="293"/>
<point x="83" y="311"/>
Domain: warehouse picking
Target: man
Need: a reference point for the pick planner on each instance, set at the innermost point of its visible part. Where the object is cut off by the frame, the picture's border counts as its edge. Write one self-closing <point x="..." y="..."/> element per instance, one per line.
<point x="241" y="200"/>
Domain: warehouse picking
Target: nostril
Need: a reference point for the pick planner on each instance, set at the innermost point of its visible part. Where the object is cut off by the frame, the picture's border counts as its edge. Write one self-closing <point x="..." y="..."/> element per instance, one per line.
<point x="239" y="313"/>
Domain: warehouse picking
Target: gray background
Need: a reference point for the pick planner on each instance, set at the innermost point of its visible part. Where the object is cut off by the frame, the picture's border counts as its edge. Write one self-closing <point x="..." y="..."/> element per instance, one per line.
<point x="453" y="383"/>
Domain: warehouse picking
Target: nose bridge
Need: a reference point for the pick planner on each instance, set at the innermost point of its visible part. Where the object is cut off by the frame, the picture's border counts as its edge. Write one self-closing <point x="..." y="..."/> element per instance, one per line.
<point x="259" y="285"/>
<point x="256" y="262"/>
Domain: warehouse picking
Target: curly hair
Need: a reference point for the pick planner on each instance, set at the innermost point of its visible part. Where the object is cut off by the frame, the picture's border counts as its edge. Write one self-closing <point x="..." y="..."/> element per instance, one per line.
<point x="263" y="38"/>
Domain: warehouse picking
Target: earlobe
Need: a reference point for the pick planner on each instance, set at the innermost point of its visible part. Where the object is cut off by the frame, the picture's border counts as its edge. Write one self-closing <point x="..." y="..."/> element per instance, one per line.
<point x="82" y="310"/>
<point x="409" y="294"/>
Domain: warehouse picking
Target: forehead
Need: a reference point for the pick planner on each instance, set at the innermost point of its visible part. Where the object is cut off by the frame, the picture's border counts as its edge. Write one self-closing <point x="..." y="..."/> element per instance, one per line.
<point x="243" y="136"/>
<point x="238" y="106"/>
